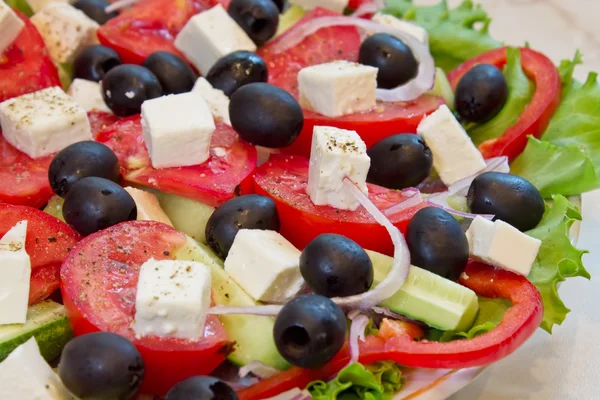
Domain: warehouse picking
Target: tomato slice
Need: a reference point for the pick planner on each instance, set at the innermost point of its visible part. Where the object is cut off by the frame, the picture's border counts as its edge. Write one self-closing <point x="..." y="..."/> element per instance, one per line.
<point x="537" y="114"/>
<point x="284" y="179"/>
<point x="48" y="242"/>
<point x="26" y="65"/>
<point x="212" y="182"/>
<point x="99" y="285"/>
<point x="517" y="325"/>
<point x="149" y="26"/>
<point x="100" y="120"/>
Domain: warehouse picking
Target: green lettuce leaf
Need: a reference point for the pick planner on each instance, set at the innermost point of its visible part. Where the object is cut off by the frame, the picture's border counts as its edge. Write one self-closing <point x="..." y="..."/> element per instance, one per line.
<point x="453" y="38"/>
<point x="20" y="5"/>
<point x="377" y="381"/>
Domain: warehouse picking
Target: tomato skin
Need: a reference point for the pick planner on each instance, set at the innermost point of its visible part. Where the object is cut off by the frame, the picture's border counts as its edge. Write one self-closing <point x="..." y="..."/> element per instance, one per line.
<point x="537" y="114"/>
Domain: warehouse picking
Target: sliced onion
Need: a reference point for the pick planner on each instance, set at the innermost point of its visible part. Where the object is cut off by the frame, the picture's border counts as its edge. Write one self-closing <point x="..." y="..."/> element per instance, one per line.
<point x="411" y="90"/>
<point x="414" y="198"/>
<point x="357" y="331"/>
<point x="258" y="369"/>
<point x="370" y="7"/>
<point x="268" y="310"/>
<point x="386" y="312"/>
<point x="118" y="5"/>
<point x="293" y="394"/>
<point x="452" y="211"/>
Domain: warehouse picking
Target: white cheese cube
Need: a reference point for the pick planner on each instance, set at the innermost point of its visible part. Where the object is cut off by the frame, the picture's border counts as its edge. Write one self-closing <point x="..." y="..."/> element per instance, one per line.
<point x="43" y="122"/>
<point x="210" y="35"/>
<point x="10" y="26"/>
<point x="502" y="245"/>
<point x="454" y="155"/>
<point x="177" y="130"/>
<point x="66" y="30"/>
<point x="37" y="5"/>
<point x="216" y="99"/>
<point x="333" y="5"/>
<point x="410" y="28"/>
<point x="265" y="265"/>
<point x="337" y="88"/>
<point x="334" y="155"/>
<point x="88" y="95"/>
<point x="15" y="272"/>
<point x="148" y="207"/>
<point x="172" y="300"/>
<point x="24" y="374"/>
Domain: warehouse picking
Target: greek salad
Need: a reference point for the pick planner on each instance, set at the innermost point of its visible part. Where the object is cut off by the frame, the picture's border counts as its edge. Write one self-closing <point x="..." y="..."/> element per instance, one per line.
<point x="270" y="199"/>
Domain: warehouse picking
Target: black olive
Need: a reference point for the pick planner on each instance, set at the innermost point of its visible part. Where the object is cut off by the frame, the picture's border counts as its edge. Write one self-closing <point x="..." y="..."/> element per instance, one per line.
<point x="399" y="161"/>
<point x="508" y="197"/>
<point x="93" y="204"/>
<point x="335" y="266"/>
<point x="437" y="243"/>
<point x="481" y="93"/>
<point x="258" y="18"/>
<point x="201" y="388"/>
<point x="95" y="10"/>
<point x="245" y="212"/>
<point x="280" y="5"/>
<point x="81" y="160"/>
<point x="265" y="115"/>
<point x="309" y="330"/>
<point x="94" y="62"/>
<point x="173" y="73"/>
<point x="126" y="87"/>
<point x="237" y="69"/>
<point x="395" y="60"/>
<point x="101" y="366"/>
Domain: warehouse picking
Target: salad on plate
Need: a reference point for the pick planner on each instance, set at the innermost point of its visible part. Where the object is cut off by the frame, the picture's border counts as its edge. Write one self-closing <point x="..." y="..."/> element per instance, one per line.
<point x="261" y="199"/>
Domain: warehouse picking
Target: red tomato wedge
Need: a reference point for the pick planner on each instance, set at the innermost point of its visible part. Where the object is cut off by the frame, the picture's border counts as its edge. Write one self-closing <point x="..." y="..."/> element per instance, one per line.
<point x="537" y="113"/>
<point x="284" y="179"/>
<point x="99" y="285"/>
<point x="24" y="179"/>
<point x="149" y="26"/>
<point x="48" y="242"/>
<point x="26" y="66"/>
<point x="212" y="182"/>
<point x="517" y="325"/>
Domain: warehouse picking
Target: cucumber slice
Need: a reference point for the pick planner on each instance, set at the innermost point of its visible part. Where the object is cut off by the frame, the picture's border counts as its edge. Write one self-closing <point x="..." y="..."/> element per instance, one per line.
<point x="54" y="207"/>
<point x="442" y="88"/>
<point x="292" y="15"/>
<point x="47" y="321"/>
<point x="253" y="335"/>
<point x="428" y="297"/>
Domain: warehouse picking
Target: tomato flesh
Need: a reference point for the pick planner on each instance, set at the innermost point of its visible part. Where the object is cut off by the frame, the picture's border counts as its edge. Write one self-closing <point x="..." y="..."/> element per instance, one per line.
<point x="284" y="179"/>
<point x="99" y="285"/>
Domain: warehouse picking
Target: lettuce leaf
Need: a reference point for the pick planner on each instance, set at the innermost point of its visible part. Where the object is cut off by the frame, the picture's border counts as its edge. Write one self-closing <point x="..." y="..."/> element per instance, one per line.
<point x="377" y="381"/>
<point x="453" y="36"/>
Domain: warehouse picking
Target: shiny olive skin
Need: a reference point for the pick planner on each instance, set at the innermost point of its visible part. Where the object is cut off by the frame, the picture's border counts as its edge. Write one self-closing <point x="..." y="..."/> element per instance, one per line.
<point x="335" y="266"/>
<point x="265" y="115"/>
<point x="173" y="73"/>
<point x="237" y="69"/>
<point x="508" y="197"/>
<point x="399" y="161"/>
<point x="201" y="388"/>
<point x="94" y="62"/>
<point x="245" y="212"/>
<point x="395" y="60"/>
<point x="309" y="330"/>
<point x="93" y="204"/>
<point x="95" y="10"/>
<point x="437" y="243"/>
<point x="80" y="160"/>
<point x="126" y="87"/>
<point x="481" y="93"/>
<point x="101" y="366"/>
<point x="280" y="5"/>
<point x="258" y="18"/>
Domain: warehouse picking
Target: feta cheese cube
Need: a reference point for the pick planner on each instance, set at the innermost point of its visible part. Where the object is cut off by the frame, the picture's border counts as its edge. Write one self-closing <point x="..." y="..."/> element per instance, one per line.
<point x="24" y="374"/>
<point x="43" y="122"/>
<point x="334" y="5"/>
<point x="334" y="155"/>
<point x="10" y="26"/>
<point x="410" y="28"/>
<point x="148" y="207"/>
<point x="216" y="99"/>
<point x="172" y="300"/>
<point x="37" y="5"/>
<point x="337" y="88"/>
<point x="265" y="265"/>
<point x="454" y="155"/>
<point x="15" y="271"/>
<point x="66" y="30"/>
<point x="88" y="95"/>
<point x="502" y="245"/>
<point x="210" y="35"/>
<point x="177" y="130"/>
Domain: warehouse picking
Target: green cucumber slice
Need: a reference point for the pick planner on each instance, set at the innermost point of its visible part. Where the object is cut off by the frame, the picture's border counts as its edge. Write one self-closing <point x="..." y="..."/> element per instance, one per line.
<point x="286" y="20"/>
<point x="442" y="88"/>
<point x="54" y="207"/>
